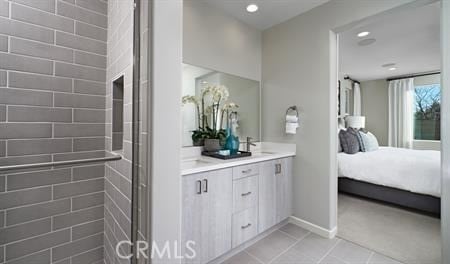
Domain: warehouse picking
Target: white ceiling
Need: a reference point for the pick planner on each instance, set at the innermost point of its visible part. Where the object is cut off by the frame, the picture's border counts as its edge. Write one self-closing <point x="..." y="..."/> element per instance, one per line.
<point x="270" y="12"/>
<point x="410" y="39"/>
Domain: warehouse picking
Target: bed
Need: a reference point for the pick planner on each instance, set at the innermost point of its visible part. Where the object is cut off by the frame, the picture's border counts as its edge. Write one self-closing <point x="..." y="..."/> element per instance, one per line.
<point x="405" y="177"/>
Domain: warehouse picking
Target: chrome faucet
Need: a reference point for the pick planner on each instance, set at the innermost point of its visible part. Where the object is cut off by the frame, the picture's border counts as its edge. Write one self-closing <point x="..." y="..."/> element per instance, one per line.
<point x="249" y="143"/>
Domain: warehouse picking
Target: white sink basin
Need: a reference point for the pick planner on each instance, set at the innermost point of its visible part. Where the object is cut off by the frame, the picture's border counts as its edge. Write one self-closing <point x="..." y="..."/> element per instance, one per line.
<point x="194" y="163"/>
<point x="263" y="153"/>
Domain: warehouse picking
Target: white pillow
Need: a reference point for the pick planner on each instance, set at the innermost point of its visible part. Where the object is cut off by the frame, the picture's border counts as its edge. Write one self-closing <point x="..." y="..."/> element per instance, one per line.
<point x="369" y="140"/>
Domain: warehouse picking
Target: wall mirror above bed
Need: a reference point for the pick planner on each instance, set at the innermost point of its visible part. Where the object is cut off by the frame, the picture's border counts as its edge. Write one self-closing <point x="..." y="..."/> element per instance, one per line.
<point x="389" y="133"/>
<point x="235" y="97"/>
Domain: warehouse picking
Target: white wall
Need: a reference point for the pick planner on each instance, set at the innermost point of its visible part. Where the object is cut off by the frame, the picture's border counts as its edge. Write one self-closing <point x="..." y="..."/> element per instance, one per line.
<point x="445" y="200"/>
<point x="296" y="71"/>
<point x="375" y="107"/>
<point x="165" y="136"/>
<point x="427" y="79"/>
<point x="220" y="42"/>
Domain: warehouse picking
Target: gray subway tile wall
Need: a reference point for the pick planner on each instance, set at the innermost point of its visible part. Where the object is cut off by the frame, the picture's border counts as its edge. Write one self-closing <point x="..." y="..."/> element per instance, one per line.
<point x="27" y="31"/>
<point x="23" y="214"/>
<point x="48" y="5"/>
<point x="40" y="50"/>
<point x="53" y="68"/>
<point x="118" y="173"/>
<point x="40" y="82"/>
<point x="90" y="31"/>
<point x="40" y="257"/>
<point x="3" y="43"/>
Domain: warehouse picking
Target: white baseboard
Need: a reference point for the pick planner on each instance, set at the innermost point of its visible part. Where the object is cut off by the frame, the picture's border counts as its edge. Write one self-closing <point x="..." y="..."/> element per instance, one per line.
<point x="313" y="228"/>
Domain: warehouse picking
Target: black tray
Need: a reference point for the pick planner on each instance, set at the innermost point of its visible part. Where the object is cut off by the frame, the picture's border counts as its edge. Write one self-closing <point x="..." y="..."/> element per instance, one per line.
<point x="215" y="154"/>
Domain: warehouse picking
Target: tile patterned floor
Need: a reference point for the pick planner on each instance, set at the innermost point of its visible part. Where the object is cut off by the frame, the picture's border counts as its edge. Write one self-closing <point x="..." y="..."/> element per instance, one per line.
<point x="294" y="245"/>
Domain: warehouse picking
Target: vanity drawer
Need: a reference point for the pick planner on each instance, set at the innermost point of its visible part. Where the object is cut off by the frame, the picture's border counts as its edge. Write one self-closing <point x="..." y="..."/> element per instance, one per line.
<point x="245" y="193"/>
<point x="245" y="171"/>
<point x="245" y="226"/>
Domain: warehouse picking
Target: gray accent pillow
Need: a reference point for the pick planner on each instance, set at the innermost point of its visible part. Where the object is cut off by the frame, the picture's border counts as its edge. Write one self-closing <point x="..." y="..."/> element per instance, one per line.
<point x="339" y="141"/>
<point x="349" y="141"/>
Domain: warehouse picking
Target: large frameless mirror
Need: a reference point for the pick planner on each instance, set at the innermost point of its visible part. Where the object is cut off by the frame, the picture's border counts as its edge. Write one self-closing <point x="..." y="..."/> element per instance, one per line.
<point x="239" y="97"/>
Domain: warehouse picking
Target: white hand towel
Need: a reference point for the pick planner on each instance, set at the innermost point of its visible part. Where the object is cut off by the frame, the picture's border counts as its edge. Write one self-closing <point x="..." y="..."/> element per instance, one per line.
<point x="291" y="119"/>
<point x="291" y="128"/>
<point x="291" y="124"/>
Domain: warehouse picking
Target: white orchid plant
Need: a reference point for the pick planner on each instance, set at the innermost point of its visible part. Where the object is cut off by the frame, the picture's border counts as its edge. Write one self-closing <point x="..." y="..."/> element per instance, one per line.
<point x="213" y="102"/>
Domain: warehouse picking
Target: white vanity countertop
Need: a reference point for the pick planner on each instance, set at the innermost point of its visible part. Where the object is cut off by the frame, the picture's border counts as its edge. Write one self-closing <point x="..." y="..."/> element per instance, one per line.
<point x="193" y="162"/>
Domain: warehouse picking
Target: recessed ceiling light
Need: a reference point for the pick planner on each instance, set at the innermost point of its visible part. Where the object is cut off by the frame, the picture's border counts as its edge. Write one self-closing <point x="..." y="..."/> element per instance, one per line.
<point x="392" y="68"/>
<point x="251" y="8"/>
<point x="363" y="34"/>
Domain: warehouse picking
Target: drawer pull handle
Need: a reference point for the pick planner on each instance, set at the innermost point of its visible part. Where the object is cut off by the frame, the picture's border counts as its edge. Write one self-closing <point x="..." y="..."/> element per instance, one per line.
<point x="246" y="194"/>
<point x="247" y="171"/>
<point x="277" y="168"/>
<point x="205" y="186"/>
<point x="199" y="187"/>
<point x="246" y="226"/>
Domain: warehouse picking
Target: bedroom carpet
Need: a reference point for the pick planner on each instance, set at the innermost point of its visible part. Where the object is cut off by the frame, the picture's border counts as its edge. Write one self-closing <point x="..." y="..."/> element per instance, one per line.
<point x="406" y="236"/>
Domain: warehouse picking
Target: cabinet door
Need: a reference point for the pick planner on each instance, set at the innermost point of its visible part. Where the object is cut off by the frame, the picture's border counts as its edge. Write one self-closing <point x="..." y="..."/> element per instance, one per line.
<point x="220" y="203"/>
<point x="267" y="196"/>
<point x="283" y="175"/>
<point x="194" y="217"/>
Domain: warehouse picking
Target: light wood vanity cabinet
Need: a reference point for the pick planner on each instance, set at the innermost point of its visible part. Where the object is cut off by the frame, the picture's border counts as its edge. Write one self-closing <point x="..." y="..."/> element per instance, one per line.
<point x="207" y="210"/>
<point x="223" y="209"/>
<point x="267" y="213"/>
<point x="275" y="193"/>
<point x="283" y="179"/>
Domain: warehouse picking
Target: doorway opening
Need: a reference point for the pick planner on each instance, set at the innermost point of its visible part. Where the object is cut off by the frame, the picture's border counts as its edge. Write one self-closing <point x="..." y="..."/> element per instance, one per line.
<point x="389" y="141"/>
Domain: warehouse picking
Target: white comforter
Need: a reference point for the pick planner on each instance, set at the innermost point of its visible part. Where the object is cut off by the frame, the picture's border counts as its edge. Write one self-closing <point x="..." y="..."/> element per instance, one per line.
<point x="412" y="170"/>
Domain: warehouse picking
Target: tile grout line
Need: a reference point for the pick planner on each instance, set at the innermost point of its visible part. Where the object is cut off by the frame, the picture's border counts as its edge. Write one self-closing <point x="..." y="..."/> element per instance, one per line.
<point x="56" y="215"/>
<point x="61" y="244"/>
<point x="54" y="61"/>
<point x="54" y="14"/>
<point x="293" y="236"/>
<point x="329" y="251"/>
<point x="370" y="257"/>
<point x="87" y="9"/>
<point x="373" y="251"/>
<point x="253" y="256"/>
<point x="35" y="236"/>
<point x="288" y="248"/>
<point x="116" y="225"/>
<point x="27" y="255"/>
<point x="47" y="75"/>
<point x="57" y="92"/>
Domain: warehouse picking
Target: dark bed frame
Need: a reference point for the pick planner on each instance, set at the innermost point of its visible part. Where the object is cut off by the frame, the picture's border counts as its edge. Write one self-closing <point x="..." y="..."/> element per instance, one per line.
<point x="421" y="202"/>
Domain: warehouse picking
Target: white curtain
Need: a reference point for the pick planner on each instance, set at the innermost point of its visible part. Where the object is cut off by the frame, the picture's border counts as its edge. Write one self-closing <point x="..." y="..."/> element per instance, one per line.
<point x="401" y="120"/>
<point x="356" y="99"/>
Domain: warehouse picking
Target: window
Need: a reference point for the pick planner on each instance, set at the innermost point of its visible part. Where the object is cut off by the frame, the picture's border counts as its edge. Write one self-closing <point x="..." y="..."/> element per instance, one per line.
<point x="427" y="112"/>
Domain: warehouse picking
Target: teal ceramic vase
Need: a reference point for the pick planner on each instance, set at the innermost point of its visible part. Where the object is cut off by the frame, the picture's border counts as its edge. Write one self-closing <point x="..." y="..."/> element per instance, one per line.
<point x="232" y="142"/>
